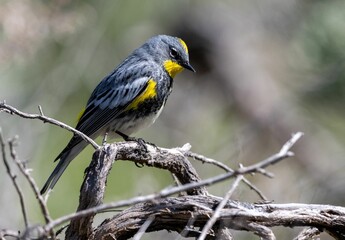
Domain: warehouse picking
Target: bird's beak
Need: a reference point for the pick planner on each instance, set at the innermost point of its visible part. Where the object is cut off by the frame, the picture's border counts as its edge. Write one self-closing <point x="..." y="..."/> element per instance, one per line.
<point x="187" y="65"/>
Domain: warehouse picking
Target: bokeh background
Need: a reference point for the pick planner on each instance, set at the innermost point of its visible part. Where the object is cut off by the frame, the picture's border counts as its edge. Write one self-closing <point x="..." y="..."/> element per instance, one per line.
<point x="265" y="69"/>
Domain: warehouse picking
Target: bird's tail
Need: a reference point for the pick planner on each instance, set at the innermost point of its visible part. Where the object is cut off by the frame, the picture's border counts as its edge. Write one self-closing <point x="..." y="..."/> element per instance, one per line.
<point x="66" y="156"/>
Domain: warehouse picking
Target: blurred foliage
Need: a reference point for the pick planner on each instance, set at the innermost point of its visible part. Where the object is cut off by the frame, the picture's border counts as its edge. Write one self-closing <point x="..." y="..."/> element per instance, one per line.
<point x="264" y="69"/>
<point x="322" y="40"/>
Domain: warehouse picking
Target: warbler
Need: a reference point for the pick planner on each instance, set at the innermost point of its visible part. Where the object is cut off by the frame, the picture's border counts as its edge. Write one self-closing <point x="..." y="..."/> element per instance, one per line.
<point x="130" y="98"/>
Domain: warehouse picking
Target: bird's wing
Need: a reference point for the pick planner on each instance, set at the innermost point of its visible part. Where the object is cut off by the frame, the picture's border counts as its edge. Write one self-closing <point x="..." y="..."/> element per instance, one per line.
<point x="105" y="103"/>
<point x="108" y="104"/>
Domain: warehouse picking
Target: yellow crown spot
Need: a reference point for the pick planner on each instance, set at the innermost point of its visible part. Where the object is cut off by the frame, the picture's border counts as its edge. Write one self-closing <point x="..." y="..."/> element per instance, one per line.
<point x="172" y="68"/>
<point x="184" y="45"/>
<point x="149" y="92"/>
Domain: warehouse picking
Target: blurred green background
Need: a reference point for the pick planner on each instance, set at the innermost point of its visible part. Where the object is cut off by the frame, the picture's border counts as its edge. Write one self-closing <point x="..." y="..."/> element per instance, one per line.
<point x="265" y="69"/>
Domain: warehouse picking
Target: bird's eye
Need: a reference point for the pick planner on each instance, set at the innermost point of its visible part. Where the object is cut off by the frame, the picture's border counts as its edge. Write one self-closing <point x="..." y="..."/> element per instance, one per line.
<point x="173" y="53"/>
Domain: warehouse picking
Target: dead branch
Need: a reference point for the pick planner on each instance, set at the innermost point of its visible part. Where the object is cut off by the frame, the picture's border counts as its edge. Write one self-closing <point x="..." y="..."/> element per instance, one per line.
<point x="172" y="160"/>
<point x="12" y="110"/>
<point x="93" y="188"/>
<point x="92" y="192"/>
<point x="221" y="165"/>
<point x="196" y="214"/>
<point x="173" y="214"/>
<point x="308" y="233"/>
<point x="31" y="181"/>
<point x="13" y="179"/>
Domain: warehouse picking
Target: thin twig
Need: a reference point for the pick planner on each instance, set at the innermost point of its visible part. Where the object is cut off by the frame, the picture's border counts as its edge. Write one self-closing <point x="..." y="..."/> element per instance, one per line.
<point x="164" y="193"/>
<point x="188" y="227"/>
<point x="283" y="153"/>
<point x="204" y="159"/>
<point x="288" y="145"/>
<point x="255" y="189"/>
<point x="40" y="110"/>
<point x="221" y="165"/>
<point x="31" y="181"/>
<point x="219" y="208"/>
<point x="11" y="110"/>
<point x="265" y="173"/>
<point x="144" y="227"/>
<point x="173" y="190"/>
<point x="13" y="178"/>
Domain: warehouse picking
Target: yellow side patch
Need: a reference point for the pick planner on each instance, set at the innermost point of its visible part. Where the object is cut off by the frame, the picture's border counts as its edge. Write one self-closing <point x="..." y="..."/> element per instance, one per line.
<point x="80" y="115"/>
<point x="184" y="45"/>
<point x="172" y="68"/>
<point x="150" y="92"/>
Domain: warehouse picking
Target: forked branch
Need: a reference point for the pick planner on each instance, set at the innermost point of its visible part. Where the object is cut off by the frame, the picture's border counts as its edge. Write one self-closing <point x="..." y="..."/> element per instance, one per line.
<point x="193" y="214"/>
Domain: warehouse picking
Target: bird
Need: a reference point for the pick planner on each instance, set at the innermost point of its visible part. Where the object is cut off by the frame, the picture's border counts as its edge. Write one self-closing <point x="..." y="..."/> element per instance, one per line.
<point x="130" y="98"/>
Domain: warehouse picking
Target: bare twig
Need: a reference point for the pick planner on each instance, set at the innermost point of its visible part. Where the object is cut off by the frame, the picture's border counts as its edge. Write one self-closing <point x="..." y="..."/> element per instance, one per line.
<point x="283" y="153"/>
<point x="11" y="110"/>
<point x="204" y="159"/>
<point x="265" y="173"/>
<point x="31" y="181"/>
<point x="288" y="145"/>
<point x="255" y="189"/>
<point x="219" y="208"/>
<point x="189" y="226"/>
<point x="13" y="178"/>
<point x="144" y="227"/>
<point x="40" y="110"/>
<point x="221" y="165"/>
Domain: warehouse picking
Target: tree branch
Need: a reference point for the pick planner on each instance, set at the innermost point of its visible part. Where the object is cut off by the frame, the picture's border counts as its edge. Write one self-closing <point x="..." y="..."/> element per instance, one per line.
<point x="13" y="178"/>
<point x="188" y="214"/>
<point x="92" y="192"/>
<point x="173" y="161"/>
<point x="221" y="165"/>
<point x="11" y="110"/>
<point x="220" y="207"/>
<point x="32" y="184"/>
<point x="308" y="233"/>
<point x="173" y="214"/>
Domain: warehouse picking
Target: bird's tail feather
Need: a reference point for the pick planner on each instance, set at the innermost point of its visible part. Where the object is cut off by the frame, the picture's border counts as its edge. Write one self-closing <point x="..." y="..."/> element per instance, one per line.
<point x="66" y="157"/>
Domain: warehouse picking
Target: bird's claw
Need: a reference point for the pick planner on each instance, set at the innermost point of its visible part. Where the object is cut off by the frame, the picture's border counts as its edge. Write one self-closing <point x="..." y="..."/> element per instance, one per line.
<point x="142" y="143"/>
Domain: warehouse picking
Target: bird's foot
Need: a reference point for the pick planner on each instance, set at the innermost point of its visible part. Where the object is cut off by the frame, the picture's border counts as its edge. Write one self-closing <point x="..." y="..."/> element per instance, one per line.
<point x="142" y="143"/>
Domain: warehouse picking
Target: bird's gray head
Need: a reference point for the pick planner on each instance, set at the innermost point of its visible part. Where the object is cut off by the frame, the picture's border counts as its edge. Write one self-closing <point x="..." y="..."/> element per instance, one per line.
<point x="171" y="52"/>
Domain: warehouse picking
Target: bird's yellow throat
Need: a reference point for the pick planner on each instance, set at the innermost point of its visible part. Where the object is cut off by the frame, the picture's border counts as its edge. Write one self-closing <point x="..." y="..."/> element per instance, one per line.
<point x="172" y="68"/>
